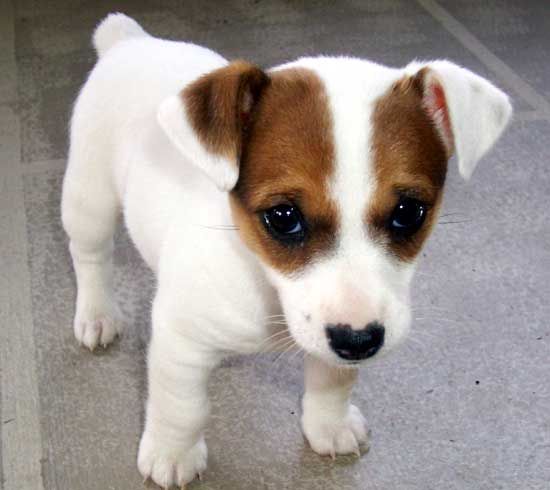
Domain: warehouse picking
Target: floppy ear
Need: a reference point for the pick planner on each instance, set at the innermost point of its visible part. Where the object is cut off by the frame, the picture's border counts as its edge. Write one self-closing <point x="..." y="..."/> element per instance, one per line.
<point x="469" y="112"/>
<point x="207" y="119"/>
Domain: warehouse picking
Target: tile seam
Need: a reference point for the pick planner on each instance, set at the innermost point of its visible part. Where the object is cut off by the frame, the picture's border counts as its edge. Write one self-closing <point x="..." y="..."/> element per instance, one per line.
<point x="21" y="437"/>
<point x="504" y="72"/>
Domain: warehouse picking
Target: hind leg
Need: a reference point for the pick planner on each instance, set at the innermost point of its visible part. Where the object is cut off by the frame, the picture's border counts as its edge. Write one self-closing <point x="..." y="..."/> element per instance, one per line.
<point x="90" y="210"/>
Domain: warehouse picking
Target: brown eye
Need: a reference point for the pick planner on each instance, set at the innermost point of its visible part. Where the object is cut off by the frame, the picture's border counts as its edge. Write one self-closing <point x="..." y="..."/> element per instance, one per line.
<point x="407" y="217"/>
<point x="285" y="223"/>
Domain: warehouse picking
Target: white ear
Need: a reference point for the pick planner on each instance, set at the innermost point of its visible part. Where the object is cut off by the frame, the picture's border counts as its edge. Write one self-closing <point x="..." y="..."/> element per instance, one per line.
<point x="208" y="119"/>
<point x="469" y="112"/>
<point x="173" y="119"/>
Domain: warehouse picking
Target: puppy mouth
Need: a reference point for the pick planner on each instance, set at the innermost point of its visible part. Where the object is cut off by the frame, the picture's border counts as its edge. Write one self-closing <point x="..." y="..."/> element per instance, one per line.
<point x="350" y="364"/>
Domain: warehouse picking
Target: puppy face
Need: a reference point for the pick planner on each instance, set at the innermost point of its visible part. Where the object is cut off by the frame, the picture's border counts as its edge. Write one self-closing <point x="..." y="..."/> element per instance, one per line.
<point x="341" y="165"/>
<point x="336" y="195"/>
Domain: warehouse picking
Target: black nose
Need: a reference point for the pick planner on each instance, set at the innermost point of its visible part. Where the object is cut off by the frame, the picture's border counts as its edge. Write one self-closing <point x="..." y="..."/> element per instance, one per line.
<point x="354" y="345"/>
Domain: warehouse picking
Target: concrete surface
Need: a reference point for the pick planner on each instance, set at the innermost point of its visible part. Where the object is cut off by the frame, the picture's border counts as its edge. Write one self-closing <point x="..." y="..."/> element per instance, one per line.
<point x="465" y="404"/>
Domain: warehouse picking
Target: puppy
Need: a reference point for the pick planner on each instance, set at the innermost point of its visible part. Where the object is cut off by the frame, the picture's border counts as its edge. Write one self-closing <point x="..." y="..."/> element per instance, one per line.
<point x="278" y="206"/>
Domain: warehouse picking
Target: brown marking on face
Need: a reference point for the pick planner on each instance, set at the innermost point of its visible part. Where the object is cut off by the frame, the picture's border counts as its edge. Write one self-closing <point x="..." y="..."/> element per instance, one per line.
<point x="410" y="160"/>
<point x="219" y="103"/>
<point x="288" y="157"/>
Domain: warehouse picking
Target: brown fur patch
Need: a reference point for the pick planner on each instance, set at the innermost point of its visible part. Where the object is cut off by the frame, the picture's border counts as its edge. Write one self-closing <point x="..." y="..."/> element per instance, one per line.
<point x="410" y="160"/>
<point x="218" y="105"/>
<point x="288" y="157"/>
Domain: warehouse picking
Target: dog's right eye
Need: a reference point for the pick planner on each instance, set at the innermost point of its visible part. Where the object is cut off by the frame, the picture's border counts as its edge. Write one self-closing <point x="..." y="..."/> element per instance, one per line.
<point x="285" y="223"/>
<point x="407" y="217"/>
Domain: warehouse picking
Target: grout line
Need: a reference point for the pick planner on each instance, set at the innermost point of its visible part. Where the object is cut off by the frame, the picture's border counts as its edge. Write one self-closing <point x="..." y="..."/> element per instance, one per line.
<point x="21" y="438"/>
<point x="505" y="74"/>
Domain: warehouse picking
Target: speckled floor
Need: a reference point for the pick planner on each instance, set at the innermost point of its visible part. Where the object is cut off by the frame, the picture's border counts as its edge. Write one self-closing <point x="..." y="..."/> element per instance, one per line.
<point x="465" y="404"/>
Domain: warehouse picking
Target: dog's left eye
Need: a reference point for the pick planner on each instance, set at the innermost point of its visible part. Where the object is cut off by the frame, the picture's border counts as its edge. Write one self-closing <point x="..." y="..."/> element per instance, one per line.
<point x="407" y="217"/>
<point x="285" y="222"/>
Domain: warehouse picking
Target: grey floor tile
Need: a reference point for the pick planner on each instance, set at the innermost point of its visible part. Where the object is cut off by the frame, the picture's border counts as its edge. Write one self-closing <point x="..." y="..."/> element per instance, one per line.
<point x="516" y="31"/>
<point x="48" y="87"/>
<point x="463" y="405"/>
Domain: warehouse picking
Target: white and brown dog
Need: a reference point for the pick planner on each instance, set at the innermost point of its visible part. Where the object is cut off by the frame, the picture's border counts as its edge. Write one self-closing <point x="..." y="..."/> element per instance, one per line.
<point x="331" y="172"/>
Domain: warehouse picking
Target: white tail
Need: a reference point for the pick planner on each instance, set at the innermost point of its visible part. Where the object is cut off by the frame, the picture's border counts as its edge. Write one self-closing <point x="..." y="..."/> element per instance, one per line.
<point x="114" y="28"/>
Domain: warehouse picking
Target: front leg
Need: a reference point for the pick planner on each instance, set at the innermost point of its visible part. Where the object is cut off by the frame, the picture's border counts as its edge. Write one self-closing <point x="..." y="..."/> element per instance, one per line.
<point x="330" y="423"/>
<point x="172" y="450"/>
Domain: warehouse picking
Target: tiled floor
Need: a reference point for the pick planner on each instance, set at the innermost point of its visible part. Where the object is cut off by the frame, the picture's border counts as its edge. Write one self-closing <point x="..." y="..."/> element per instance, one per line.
<point x="465" y="404"/>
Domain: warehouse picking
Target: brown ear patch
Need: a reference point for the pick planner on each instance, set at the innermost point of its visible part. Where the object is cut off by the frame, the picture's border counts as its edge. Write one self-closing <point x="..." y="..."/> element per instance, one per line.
<point x="409" y="159"/>
<point x="219" y="103"/>
<point x="288" y="157"/>
<point x="435" y="104"/>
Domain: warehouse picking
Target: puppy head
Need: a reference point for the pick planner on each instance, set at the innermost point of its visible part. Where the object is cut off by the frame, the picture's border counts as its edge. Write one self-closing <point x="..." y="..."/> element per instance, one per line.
<point x="338" y="171"/>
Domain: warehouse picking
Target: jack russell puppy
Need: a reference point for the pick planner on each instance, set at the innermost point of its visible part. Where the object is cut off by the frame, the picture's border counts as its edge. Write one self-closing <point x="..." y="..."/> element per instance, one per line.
<point x="274" y="206"/>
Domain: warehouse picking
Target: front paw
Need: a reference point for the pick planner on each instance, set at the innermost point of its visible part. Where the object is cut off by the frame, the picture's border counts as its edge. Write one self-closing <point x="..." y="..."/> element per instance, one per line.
<point x="331" y="435"/>
<point x="97" y="323"/>
<point x="167" y="464"/>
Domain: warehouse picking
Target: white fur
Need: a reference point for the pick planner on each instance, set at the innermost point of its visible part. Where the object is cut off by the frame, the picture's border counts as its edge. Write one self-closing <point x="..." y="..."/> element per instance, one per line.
<point x="113" y="29"/>
<point x="173" y="119"/>
<point x="132" y="149"/>
<point x="331" y="424"/>
<point x="478" y="111"/>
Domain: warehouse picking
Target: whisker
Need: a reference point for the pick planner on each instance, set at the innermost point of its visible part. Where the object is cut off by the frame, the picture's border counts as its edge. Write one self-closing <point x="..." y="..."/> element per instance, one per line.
<point x="280" y="315"/>
<point x="273" y="342"/>
<point x="430" y="307"/>
<point x="276" y="345"/>
<point x="283" y="343"/>
<point x="420" y="333"/>
<point x="453" y="222"/>
<point x="300" y="349"/>
<point x="220" y="227"/>
<point x="276" y="334"/>
<point x="288" y="349"/>
<point x="273" y="336"/>
<point x="435" y="319"/>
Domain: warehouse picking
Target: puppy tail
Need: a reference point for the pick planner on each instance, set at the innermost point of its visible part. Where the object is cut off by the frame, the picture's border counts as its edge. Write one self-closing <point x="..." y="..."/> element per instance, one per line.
<point x="114" y="28"/>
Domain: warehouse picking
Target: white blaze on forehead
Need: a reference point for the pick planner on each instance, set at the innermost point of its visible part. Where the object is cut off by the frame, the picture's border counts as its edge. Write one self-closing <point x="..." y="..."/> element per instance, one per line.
<point x="353" y="86"/>
<point x="357" y="284"/>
